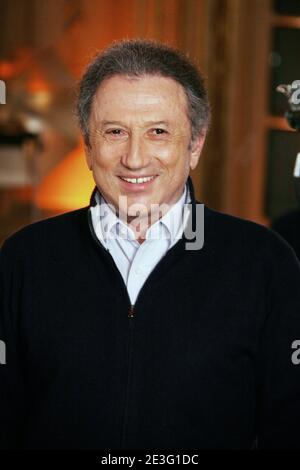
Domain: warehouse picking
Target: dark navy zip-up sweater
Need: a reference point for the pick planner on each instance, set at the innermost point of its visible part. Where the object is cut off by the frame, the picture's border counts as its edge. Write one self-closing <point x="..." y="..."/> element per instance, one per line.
<point x="207" y="358"/>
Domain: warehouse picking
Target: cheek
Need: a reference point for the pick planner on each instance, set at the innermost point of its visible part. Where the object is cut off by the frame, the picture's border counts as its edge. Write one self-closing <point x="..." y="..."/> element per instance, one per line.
<point x="176" y="155"/>
<point x="106" y="155"/>
<point x="171" y="152"/>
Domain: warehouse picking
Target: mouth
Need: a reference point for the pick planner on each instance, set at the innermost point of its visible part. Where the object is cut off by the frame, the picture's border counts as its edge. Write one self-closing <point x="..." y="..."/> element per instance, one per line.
<point x="139" y="183"/>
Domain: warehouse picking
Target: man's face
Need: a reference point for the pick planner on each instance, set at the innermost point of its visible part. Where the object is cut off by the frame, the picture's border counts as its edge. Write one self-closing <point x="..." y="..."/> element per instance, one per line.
<point x="139" y="128"/>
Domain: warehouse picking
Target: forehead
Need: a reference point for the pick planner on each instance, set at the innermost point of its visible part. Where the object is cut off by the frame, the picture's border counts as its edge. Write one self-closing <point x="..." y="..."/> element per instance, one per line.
<point x="143" y="95"/>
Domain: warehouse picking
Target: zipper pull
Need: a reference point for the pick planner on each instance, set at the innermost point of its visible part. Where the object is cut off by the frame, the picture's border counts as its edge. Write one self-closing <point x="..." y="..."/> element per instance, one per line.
<point x="131" y="311"/>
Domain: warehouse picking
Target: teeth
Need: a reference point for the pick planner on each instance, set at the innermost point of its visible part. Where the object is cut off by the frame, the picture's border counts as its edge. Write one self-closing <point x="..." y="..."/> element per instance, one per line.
<point x="138" y="180"/>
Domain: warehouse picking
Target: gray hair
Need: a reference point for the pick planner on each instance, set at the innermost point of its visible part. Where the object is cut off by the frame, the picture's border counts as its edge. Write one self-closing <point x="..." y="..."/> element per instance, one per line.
<point x="138" y="58"/>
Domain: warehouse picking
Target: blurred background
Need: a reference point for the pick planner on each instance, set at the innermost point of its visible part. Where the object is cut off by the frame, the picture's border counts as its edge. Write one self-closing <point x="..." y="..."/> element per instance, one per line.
<point x="245" y="49"/>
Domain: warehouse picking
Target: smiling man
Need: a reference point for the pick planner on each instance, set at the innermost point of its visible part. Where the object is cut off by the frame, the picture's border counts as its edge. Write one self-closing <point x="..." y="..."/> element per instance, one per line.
<point x="118" y="335"/>
<point x="144" y="131"/>
<point x="140" y="143"/>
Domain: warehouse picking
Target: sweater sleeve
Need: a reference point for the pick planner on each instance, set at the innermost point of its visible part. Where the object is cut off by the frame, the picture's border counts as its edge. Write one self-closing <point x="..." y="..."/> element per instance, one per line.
<point x="11" y="384"/>
<point x="278" y="359"/>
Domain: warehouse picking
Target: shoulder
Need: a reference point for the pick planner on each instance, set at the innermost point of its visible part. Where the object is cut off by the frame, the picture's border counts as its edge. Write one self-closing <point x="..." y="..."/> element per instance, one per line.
<point x="245" y="235"/>
<point x="51" y="229"/>
<point x="287" y="221"/>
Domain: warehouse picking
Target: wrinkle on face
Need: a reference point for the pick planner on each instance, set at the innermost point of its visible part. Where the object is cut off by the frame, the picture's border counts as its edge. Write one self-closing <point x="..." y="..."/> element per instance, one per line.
<point x="125" y="117"/>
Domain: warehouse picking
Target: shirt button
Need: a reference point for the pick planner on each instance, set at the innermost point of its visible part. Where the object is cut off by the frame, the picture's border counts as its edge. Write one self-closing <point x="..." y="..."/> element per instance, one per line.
<point x="138" y="271"/>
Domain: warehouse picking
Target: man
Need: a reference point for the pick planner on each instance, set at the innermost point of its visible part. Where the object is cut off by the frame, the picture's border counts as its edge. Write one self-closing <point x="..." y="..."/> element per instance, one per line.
<point x="122" y="330"/>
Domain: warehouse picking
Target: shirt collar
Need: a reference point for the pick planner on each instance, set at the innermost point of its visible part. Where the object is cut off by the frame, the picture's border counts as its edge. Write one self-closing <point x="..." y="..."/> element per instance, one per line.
<point x="169" y="226"/>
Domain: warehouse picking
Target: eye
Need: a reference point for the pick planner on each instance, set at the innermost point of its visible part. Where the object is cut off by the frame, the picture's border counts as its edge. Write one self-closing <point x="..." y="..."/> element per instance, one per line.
<point x="115" y="133"/>
<point x="158" y="131"/>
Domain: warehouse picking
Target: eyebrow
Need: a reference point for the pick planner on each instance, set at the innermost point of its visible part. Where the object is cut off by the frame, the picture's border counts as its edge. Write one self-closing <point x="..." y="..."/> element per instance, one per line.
<point x="148" y="123"/>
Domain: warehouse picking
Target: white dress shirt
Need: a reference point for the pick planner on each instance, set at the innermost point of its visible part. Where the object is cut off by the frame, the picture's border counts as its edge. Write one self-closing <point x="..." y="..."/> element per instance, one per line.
<point x="135" y="261"/>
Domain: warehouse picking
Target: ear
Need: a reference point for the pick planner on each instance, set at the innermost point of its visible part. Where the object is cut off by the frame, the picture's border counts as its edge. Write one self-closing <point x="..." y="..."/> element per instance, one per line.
<point x="88" y="156"/>
<point x="196" y="149"/>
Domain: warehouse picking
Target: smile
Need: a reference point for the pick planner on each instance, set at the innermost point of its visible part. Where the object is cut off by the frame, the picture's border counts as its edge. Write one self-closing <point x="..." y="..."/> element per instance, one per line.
<point x="136" y="185"/>
<point x="139" y="180"/>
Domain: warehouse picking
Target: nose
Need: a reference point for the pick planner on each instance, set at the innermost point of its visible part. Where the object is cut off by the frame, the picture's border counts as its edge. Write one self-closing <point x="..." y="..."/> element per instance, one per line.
<point x="135" y="154"/>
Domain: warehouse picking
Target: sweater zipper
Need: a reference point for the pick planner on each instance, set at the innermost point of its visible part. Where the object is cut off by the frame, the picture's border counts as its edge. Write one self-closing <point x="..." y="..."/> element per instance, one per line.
<point x="131" y="315"/>
<point x="125" y="418"/>
<point x="131" y="311"/>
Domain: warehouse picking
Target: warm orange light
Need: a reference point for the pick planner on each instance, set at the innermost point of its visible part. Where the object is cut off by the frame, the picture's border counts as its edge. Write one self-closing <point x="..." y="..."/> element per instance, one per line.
<point x="68" y="186"/>
<point x="37" y="84"/>
<point x="7" y="70"/>
<point x="40" y="91"/>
